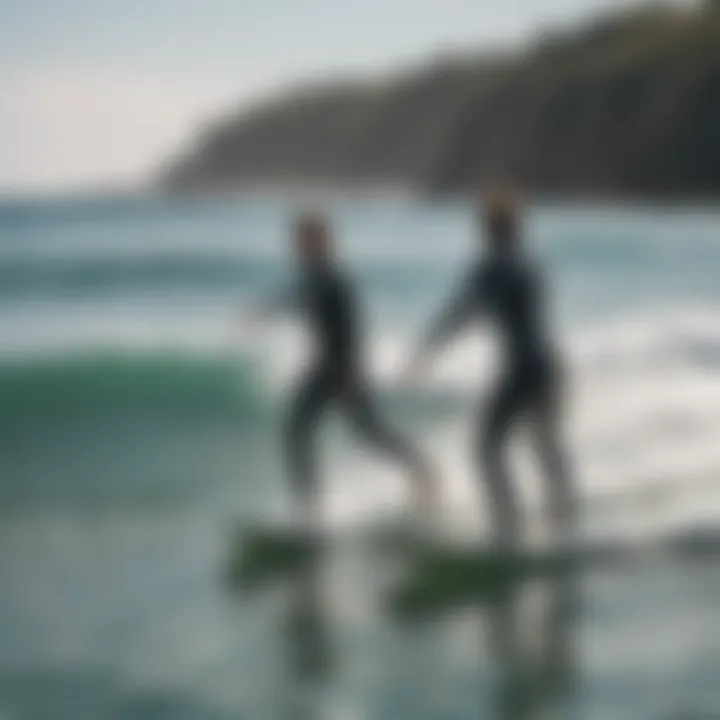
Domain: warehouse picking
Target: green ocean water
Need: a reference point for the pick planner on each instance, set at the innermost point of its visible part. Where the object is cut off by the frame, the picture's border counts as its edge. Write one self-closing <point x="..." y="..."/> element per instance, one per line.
<point x="140" y="421"/>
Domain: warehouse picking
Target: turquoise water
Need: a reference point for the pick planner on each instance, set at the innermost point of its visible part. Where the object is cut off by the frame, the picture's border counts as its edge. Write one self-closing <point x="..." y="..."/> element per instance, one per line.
<point x="139" y="420"/>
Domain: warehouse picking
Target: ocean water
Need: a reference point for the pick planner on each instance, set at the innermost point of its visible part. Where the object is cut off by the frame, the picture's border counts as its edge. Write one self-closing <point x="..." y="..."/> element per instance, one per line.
<point x="139" y="423"/>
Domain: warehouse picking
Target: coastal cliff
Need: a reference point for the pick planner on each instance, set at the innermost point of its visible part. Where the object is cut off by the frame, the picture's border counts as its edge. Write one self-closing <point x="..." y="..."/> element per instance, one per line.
<point x="628" y="106"/>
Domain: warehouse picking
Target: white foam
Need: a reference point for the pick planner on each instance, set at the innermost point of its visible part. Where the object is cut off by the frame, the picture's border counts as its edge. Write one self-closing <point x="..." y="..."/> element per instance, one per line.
<point x="643" y="399"/>
<point x="643" y="414"/>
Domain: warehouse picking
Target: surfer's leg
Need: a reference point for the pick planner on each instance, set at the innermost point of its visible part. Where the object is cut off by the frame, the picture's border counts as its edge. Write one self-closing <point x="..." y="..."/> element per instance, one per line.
<point x="365" y="418"/>
<point x="545" y="426"/>
<point x="306" y="408"/>
<point x="494" y="427"/>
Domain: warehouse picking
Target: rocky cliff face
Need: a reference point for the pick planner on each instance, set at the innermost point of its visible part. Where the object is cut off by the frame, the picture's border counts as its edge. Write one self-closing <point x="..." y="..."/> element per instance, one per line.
<point x="628" y="107"/>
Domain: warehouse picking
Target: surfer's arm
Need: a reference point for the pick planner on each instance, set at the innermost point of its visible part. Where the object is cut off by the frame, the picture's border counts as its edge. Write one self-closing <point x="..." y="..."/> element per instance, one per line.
<point x="462" y="308"/>
<point x="458" y="312"/>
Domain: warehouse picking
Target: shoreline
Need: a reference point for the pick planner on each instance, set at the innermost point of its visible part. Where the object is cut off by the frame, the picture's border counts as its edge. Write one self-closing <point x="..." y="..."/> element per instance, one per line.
<point x="328" y="192"/>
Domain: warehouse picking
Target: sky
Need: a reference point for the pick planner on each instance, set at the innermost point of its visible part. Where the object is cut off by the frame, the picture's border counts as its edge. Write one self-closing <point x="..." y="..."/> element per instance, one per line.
<point x="99" y="92"/>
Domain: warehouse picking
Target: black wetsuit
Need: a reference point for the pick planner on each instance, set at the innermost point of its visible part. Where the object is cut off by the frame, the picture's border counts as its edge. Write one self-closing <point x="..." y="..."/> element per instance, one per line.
<point x="328" y="301"/>
<point x="508" y="291"/>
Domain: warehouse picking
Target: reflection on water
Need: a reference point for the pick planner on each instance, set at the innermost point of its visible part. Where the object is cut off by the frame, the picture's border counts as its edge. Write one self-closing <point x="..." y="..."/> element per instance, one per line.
<point x="629" y="637"/>
<point x="524" y="665"/>
<point x="307" y="633"/>
<point x="301" y="617"/>
<point x="85" y="635"/>
<point x="535" y="681"/>
<point x="308" y="645"/>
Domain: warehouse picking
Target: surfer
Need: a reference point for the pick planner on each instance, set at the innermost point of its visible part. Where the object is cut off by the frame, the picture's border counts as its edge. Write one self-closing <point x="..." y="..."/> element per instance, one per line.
<point x="505" y="286"/>
<point x="326" y="298"/>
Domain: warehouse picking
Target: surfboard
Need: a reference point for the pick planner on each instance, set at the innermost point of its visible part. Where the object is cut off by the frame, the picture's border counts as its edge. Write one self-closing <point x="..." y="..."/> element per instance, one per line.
<point x="264" y="549"/>
<point x="262" y="553"/>
<point x="442" y="577"/>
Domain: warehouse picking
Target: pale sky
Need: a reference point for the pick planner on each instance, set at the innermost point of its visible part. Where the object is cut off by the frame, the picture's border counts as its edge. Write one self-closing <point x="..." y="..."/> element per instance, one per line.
<point x="99" y="91"/>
